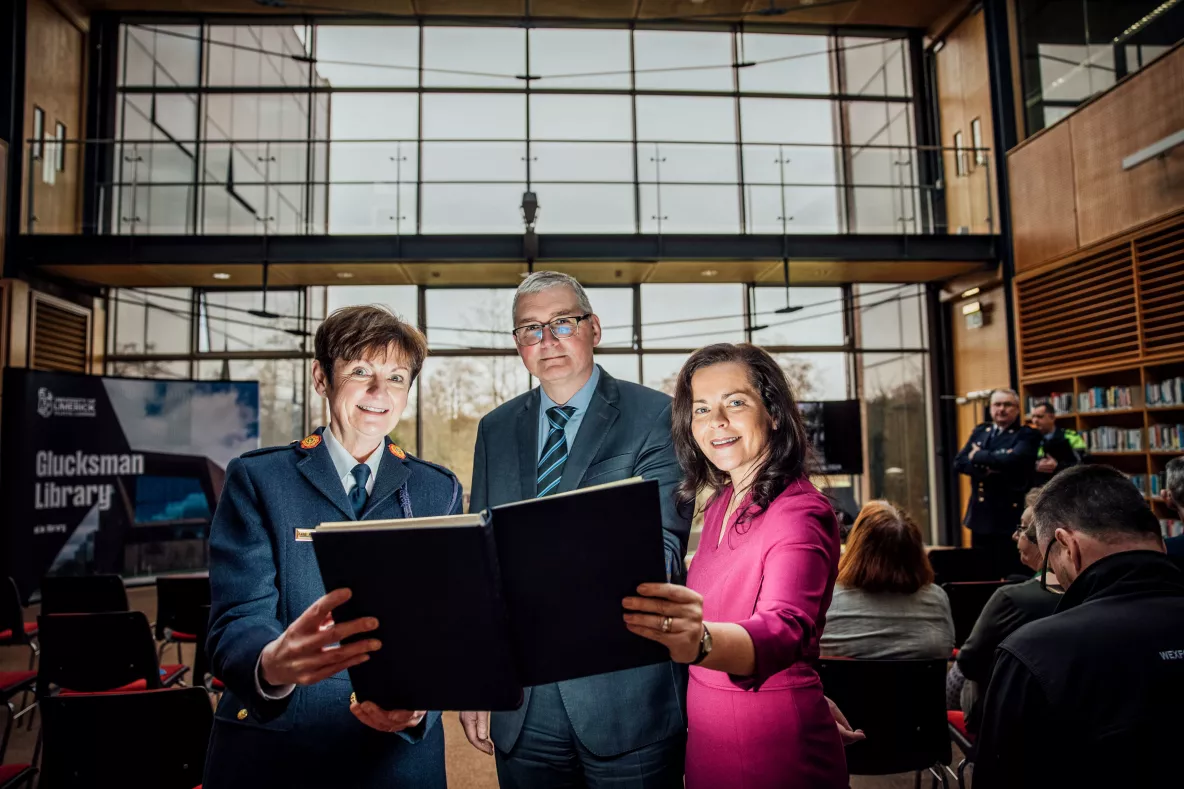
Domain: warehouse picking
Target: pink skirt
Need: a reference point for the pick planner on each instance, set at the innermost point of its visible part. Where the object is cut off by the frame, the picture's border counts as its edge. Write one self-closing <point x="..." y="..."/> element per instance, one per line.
<point x="779" y="738"/>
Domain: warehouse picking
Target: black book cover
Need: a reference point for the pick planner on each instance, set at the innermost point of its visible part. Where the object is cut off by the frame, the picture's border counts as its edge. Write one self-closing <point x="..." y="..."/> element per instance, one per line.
<point x="472" y="608"/>
<point x="435" y="592"/>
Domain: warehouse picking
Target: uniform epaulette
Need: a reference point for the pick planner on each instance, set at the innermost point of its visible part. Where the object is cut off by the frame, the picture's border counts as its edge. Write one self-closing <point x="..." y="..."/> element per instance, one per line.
<point x="446" y="472"/>
<point x="267" y="450"/>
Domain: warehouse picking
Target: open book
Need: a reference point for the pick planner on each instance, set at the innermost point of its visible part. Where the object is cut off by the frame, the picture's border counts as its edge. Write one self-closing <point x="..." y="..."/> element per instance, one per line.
<point x="473" y="608"/>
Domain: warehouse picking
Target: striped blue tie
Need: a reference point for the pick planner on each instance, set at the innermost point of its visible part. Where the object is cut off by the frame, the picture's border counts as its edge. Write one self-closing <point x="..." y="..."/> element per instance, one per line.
<point x="551" y="462"/>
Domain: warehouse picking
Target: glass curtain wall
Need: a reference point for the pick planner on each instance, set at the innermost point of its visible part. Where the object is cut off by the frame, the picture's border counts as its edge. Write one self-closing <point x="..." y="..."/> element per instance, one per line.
<point x="649" y="331"/>
<point x="1072" y="49"/>
<point x="405" y="129"/>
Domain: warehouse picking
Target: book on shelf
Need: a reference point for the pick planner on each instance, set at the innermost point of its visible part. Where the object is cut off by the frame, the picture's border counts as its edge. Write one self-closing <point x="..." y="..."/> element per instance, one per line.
<point x="1102" y="398"/>
<point x="1165" y="438"/>
<point x="1061" y="401"/>
<point x="1139" y="481"/>
<point x="474" y="608"/>
<point x="1164" y="393"/>
<point x="1114" y="439"/>
<point x="1157" y="484"/>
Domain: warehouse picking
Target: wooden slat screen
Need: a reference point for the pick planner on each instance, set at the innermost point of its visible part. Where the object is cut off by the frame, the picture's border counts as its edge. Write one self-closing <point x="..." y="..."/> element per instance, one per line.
<point x="1160" y="257"/>
<point x="1079" y="315"/>
<point x="61" y="337"/>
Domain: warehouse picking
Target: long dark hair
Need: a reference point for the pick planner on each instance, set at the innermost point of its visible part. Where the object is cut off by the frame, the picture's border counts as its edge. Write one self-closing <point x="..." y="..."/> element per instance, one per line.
<point x="786" y="450"/>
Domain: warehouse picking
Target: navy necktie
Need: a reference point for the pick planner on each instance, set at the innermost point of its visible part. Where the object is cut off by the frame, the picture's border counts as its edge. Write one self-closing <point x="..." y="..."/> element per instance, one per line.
<point x="357" y="496"/>
<point x="551" y="462"/>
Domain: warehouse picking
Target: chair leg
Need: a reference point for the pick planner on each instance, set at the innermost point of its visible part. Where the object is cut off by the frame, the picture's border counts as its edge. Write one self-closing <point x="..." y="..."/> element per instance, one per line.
<point x="160" y="652"/>
<point x="962" y="773"/>
<point x="8" y="727"/>
<point x="938" y="771"/>
<point x="179" y="658"/>
<point x="917" y="780"/>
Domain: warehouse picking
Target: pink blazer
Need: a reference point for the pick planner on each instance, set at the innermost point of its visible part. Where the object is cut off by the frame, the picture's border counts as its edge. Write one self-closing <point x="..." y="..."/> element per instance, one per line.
<point x="774" y="577"/>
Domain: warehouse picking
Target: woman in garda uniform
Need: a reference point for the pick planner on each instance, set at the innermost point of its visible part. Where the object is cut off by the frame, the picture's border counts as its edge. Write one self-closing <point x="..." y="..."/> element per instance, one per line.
<point x="287" y="717"/>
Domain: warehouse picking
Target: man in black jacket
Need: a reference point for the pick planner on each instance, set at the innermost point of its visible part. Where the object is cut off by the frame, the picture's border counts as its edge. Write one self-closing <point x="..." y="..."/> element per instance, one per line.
<point x="1060" y="448"/>
<point x="998" y="458"/>
<point x="1091" y="696"/>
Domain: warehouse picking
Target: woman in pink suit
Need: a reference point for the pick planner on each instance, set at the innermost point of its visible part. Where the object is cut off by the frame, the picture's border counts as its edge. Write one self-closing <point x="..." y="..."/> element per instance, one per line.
<point x="751" y="614"/>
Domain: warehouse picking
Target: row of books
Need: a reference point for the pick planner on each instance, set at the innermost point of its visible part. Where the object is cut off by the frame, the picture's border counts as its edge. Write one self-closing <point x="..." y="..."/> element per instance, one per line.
<point x="1165" y="437"/>
<point x="1169" y="392"/>
<point x="1114" y="439"/>
<point x="1171" y="527"/>
<point x="1061" y="401"/>
<point x="1103" y="398"/>
<point x="1157" y="485"/>
<point x="1139" y="481"/>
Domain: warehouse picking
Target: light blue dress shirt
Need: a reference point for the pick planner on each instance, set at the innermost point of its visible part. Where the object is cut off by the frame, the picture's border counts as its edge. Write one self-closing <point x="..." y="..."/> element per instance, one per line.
<point x="580" y="401"/>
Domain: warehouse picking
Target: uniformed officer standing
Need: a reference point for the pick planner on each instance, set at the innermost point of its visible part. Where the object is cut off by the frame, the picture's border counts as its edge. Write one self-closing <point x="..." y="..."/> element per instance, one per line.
<point x="998" y="458"/>
<point x="1059" y="448"/>
<point x="287" y="717"/>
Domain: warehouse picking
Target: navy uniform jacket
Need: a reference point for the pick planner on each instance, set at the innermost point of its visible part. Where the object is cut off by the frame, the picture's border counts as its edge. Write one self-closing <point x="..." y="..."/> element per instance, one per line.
<point x="999" y="476"/>
<point x="625" y="433"/>
<point x="261" y="580"/>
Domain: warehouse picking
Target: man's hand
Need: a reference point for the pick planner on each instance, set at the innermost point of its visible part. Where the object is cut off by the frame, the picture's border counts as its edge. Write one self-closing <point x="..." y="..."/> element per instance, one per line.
<point x="845" y="733"/>
<point x="476" y="726"/>
<point x="305" y="653"/>
<point x="389" y="721"/>
<point x="977" y="447"/>
<point x="1046" y="465"/>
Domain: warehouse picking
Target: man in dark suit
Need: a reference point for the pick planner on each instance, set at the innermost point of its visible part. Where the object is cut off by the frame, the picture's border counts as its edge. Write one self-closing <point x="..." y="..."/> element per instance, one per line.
<point x="1060" y="447"/>
<point x="998" y="458"/>
<point x="581" y="427"/>
<point x="287" y="717"/>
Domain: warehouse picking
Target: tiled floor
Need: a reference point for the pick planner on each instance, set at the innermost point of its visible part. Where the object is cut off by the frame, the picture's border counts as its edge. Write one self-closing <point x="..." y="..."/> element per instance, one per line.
<point x="468" y="768"/>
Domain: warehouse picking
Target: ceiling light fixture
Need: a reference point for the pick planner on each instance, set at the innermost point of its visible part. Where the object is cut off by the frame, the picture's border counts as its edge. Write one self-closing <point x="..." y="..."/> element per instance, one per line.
<point x="968" y="293"/>
<point x="221" y="275"/>
<point x="709" y="272"/>
<point x="345" y="275"/>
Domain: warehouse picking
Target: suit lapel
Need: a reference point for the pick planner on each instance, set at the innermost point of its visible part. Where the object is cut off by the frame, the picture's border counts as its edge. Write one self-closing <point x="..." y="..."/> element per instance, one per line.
<point x="317" y="467"/>
<point x="526" y="432"/>
<point x="392" y="473"/>
<point x="601" y="415"/>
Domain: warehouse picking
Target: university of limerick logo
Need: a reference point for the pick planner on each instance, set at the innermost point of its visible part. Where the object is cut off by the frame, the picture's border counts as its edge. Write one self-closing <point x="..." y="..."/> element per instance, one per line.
<point x="48" y="405"/>
<point x="45" y="402"/>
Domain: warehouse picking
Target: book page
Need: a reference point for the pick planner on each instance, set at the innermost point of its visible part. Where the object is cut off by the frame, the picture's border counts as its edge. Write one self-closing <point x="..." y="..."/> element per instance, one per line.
<point x="438" y="522"/>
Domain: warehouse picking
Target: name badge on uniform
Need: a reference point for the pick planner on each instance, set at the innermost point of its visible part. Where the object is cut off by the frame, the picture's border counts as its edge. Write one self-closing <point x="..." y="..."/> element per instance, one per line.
<point x="304" y="535"/>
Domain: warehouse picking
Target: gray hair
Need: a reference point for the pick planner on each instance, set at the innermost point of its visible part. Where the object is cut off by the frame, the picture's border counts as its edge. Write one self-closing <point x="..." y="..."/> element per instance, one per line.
<point x="1174" y="480"/>
<point x="1011" y="392"/>
<point x="1096" y="500"/>
<point x="545" y="280"/>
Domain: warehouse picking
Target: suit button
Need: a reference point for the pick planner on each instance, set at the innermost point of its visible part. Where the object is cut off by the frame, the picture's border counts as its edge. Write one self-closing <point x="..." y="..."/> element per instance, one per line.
<point x="242" y="715"/>
<point x="980" y="498"/>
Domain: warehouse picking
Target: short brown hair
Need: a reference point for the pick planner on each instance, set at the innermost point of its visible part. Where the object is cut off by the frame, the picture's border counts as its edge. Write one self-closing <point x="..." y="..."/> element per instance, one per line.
<point x="352" y="333"/>
<point x="885" y="552"/>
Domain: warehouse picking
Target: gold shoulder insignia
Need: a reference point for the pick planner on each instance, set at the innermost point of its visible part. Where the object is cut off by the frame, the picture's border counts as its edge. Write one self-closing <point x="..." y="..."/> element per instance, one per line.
<point x="396" y="451"/>
<point x="311" y="442"/>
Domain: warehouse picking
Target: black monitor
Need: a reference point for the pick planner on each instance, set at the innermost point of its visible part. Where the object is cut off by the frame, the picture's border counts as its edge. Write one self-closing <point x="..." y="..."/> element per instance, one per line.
<point x="835" y="433"/>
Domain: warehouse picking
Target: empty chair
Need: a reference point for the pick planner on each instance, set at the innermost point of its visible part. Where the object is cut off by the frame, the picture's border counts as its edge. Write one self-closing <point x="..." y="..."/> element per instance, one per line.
<point x="14" y="630"/>
<point x="12" y="683"/>
<point x="201" y="659"/>
<point x="96" y="653"/>
<point x="82" y="594"/>
<point x="153" y="739"/>
<point x="15" y="776"/>
<point x="182" y="602"/>
<point x="967" y="600"/>
<point x="900" y="705"/>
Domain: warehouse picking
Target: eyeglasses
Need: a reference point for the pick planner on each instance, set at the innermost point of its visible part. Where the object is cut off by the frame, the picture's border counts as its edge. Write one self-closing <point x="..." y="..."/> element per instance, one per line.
<point x="561" y="329"/>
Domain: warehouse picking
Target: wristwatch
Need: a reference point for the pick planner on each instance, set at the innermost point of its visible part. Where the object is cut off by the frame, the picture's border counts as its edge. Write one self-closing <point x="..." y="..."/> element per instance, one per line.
<point x="704" y="646"/>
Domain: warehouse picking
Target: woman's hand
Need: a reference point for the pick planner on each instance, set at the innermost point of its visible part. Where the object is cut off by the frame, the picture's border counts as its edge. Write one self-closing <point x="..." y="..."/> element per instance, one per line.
<point x="670" y="614"/>
<point x="848" y="735"/>
<point x="309" y="650"/>
<point x="389" y="721"/>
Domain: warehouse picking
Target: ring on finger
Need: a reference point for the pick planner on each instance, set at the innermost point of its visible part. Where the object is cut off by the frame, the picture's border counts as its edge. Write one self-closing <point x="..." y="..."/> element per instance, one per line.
<point x="667" y="623"/>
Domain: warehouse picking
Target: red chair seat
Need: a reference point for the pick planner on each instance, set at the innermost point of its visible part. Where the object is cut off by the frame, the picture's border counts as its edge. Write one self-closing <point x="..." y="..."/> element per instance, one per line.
<point x="168" y="675"/>
<point x="10" y="771"/>
<point x="958" y="720"/>
<point x="30" y="630"/>
<point x="14" y="681"/>
<point x="217" y="684"/>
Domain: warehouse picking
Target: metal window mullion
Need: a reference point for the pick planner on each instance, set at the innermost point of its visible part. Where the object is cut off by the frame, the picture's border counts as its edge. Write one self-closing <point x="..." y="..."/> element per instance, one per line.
<point x="739" y="129"/>
<point x="633" y="111"/>
<point x="419" y="190"/>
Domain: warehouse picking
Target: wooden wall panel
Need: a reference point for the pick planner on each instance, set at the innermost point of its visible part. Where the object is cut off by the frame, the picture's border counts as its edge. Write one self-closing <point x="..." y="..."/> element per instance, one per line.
<point x="980" y="362"/>
<point x="54" y="82"/>
<point x="964" y="94"/>
<point x="1143" y="110"/>
<point x="1043" y="201"/>
<point x="3" y="204"/>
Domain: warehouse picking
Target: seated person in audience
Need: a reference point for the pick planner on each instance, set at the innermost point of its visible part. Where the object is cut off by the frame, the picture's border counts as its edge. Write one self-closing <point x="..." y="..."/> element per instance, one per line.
<point x="1173" y="494"/>
<point x="1092" y="695"/>
<point x="1010" y="608"/>
<point x="885" y="603"/>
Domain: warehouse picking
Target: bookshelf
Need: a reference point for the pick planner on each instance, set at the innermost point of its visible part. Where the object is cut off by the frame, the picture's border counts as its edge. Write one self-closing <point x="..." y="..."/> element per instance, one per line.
<point x="1134" y="415"/>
